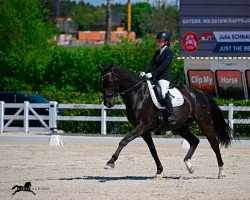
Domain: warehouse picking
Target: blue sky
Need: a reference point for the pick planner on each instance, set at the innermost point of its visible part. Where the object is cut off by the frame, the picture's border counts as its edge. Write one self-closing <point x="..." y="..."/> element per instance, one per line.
<point x="99" y="2"/>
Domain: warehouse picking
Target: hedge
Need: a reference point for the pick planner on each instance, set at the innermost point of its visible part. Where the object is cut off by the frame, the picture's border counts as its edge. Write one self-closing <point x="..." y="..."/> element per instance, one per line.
<point x="75" y="69"/>
<point x="71" y="75"/>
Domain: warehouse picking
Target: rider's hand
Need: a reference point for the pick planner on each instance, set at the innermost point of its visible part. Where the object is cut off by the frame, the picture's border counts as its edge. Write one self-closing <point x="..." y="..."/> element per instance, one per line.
<point x="142" y="74"/>
<point x="148" y="75"/>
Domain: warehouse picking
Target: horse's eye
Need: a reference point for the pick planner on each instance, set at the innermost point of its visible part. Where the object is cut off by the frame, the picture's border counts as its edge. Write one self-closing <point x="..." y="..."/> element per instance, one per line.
<point x="109" y="81"/>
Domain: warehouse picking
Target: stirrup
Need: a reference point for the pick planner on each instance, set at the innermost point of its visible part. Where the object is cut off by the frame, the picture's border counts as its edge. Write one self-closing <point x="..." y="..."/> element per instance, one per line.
<point x="160" y="115"/>
<point x="171" y="120"/>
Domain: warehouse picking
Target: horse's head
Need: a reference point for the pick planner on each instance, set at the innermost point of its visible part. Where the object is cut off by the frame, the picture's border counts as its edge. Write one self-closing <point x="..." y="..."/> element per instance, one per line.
<point x="108" y="85"/>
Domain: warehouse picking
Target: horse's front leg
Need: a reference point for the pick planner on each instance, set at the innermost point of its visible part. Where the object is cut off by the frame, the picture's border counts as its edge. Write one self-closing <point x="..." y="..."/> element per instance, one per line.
<point x="148" y="139"/>
<point x="136" y="132"/>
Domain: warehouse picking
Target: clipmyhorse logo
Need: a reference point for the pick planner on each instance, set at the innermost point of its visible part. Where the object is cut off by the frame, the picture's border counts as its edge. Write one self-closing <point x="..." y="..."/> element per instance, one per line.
<point x="25" y="188"/>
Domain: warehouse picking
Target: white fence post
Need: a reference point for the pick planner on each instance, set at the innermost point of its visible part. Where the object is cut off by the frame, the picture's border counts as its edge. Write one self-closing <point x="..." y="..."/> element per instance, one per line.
<point x="230" y="115"/>
<point x="104" y="117"/>
<point x="26" y="116"/>
<point x="52" y="116"/>
<point x="1" y="116"/>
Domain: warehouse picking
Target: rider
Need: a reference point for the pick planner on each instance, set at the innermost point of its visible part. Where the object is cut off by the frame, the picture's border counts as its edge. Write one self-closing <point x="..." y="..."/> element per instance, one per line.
<point x="159" y="67"/>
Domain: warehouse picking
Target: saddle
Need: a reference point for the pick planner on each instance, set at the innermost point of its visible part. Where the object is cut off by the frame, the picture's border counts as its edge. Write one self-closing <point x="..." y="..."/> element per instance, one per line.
<point x="155" y="92"/>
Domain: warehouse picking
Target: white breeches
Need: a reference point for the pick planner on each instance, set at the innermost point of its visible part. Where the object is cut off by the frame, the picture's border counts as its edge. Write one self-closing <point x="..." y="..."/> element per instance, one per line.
<point x="164" y="84"/>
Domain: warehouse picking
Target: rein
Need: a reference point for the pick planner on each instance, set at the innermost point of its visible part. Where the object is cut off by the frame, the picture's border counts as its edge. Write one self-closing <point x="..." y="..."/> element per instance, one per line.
<point x="121" y="93"/>
<point x="131" y="87"/>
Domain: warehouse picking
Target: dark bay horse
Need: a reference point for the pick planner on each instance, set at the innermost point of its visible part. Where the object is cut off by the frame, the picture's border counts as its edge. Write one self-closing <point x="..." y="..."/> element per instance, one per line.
<point x="143" y="115"/>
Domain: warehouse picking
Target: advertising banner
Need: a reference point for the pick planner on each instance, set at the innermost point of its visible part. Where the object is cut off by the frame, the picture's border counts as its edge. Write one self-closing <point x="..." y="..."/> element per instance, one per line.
<point x="202" y="80"/>
<point x="248" y="81"/>
<point x="215" y="28"/>
<point x="230" y="84"/>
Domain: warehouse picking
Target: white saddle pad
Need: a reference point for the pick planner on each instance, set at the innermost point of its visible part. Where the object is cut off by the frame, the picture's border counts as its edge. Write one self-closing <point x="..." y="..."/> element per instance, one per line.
<point x="177" y="98"/>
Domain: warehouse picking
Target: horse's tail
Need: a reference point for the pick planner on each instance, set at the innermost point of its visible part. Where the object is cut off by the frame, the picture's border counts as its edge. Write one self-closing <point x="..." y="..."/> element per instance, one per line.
<point x="16" y="186"/>
<point x="222" y="129"/>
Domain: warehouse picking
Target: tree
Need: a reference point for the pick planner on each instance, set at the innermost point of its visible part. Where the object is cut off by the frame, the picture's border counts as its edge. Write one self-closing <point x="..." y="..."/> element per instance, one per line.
<point x="25" y="39"/>
<point x="150" y="20"/>
<point x="82" y="14"/>
<point x="165" y="19"/>
<point x="108" y="23"/>
<point x="139" y="11"/>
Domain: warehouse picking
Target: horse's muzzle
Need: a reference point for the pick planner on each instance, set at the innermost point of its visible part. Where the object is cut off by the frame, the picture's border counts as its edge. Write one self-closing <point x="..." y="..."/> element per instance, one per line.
<point x="109" y="102"/>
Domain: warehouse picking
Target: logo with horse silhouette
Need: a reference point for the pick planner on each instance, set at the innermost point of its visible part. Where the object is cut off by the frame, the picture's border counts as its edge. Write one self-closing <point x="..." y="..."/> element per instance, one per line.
<point x="25" y="188"/>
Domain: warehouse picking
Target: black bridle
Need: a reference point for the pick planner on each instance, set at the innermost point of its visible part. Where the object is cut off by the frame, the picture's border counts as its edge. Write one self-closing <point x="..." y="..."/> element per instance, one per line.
<point x="115" y="92"/>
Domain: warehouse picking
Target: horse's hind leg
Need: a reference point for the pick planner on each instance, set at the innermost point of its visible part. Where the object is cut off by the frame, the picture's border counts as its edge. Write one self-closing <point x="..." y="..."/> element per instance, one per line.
<point x="209" y="133"/>
<point x="148" y="139"/>
<point x="216" y="148"/>
<point x="193" y="142"/>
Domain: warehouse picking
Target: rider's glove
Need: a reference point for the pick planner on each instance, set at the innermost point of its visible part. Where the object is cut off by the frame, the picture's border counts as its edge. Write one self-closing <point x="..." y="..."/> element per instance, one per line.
<point x="142" y="74"/>
<point x="148" y="75"/>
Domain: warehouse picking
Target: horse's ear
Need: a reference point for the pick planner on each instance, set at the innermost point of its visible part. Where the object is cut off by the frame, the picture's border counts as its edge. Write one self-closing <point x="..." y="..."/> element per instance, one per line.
<point x="111" y="65"/>
<point x="100" y="68"/>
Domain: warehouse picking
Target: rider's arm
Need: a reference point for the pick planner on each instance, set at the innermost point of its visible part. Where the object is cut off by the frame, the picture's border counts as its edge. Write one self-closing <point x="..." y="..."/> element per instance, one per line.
<point x="149" y="68"/>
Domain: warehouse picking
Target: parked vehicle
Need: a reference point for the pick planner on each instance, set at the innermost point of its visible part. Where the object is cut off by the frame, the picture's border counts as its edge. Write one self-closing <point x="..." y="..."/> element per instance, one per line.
<point x="16" y="97"/>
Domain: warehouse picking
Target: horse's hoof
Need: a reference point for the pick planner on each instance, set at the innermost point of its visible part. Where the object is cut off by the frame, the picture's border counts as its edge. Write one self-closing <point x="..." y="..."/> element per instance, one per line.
<point x="189" y="166"/>
<point x="158" y="177"/>
<point x="190" y="170"/>
<point x="222" y="176"/>
<point x="221" y="173"/>
<point x="109" y="166"/>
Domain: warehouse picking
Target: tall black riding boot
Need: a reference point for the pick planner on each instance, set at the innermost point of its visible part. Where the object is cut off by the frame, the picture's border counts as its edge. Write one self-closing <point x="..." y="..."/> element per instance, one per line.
<point x="168" y="103"/>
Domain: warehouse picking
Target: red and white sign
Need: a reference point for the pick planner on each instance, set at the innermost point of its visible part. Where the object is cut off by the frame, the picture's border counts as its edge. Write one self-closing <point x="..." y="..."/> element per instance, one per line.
<point x="206" y="36"/>
<point x="190" y="41"/>
<point x="228" y="78"/>
<point x="202" y="80"/>
<point x="248" y="80"/>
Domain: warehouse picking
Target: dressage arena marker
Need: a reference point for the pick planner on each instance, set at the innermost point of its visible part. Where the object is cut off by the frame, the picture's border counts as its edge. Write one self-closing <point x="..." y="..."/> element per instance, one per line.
<point x="185" y="144"/>
<point x="55" y="141"/>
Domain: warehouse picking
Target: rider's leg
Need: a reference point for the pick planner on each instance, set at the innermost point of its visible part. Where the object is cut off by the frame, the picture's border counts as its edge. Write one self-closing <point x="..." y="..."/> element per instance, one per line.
<point x="164" y="84"/>
<point x="169" y="105"/>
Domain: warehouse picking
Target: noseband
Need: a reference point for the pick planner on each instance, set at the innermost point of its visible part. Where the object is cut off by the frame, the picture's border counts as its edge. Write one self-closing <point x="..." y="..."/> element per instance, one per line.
<point x="115" y="92"/>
